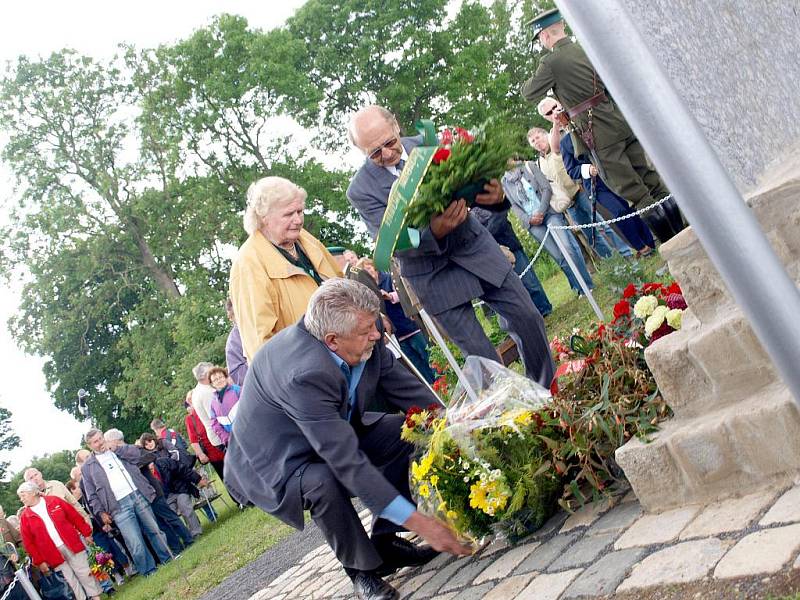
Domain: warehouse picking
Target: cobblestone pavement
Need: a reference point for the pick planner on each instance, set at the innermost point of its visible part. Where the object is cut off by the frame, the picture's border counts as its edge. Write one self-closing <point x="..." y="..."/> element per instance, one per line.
<point x="602" y="549"/>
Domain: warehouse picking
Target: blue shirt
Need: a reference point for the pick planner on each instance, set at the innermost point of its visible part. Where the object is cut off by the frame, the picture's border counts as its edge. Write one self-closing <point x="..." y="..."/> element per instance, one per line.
<point x="398" y="510"/>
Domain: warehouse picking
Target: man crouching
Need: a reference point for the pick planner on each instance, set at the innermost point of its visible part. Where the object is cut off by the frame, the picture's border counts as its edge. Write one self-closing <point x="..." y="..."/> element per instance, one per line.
<point x="303" y="440"/>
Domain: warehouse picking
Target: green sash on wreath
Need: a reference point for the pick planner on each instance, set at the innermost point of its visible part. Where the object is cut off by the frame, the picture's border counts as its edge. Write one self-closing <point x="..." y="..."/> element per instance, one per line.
<point x="393" y="234"/>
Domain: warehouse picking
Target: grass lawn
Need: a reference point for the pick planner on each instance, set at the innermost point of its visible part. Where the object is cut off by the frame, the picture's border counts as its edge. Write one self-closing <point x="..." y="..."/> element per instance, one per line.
<point x="237" y="539"/>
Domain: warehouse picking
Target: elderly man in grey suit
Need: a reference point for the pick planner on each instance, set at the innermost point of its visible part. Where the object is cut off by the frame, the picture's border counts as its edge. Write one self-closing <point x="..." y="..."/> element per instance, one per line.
<point x="457" y="259"/>
<point x="304" y="440"/>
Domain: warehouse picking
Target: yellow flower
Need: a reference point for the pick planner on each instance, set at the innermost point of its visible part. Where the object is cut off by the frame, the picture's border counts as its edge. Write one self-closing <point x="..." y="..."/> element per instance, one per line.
<point x="452" y="515"/>
<point x="434" y="479"/>
<point x="524" y="418"/>
<point x="419" y="471"/>
<point x="442" y="506"/>
<point x="488" y="496"/>
<point x="424" y="490"/>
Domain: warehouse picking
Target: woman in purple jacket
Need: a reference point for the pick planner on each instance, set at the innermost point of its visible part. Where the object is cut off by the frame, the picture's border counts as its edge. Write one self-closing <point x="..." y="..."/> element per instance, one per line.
<point x="222" y="406"/>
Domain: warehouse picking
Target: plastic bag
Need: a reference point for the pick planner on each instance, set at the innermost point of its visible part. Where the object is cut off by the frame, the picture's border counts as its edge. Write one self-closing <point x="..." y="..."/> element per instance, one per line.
<point x="483" y="465"/>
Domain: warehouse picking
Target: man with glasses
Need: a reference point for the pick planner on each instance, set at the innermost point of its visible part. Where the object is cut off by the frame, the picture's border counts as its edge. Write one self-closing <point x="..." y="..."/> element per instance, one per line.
<point x="622" y="162"/>
<point x="457" y="260"/>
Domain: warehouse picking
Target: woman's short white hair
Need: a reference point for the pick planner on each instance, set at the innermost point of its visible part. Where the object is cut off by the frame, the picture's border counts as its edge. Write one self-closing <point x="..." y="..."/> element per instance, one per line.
<point x="335" y="306"/>
<point x="264" y="195"/>
<point x="29" y="487"/>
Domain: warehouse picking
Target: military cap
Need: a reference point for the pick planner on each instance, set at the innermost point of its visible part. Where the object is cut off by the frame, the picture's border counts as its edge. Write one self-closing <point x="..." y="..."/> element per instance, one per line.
<point x="336" y="250"/>
<point x="544" y="20"/>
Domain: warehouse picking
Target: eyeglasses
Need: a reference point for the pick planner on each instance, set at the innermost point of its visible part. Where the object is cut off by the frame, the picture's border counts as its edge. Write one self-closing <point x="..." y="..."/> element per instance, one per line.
<point x="377" y="151"/>
<point x="550" y="112"/>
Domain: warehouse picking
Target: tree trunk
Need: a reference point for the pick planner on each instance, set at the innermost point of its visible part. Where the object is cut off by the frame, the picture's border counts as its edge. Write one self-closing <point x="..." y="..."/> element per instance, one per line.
<point x="163" y="279"/>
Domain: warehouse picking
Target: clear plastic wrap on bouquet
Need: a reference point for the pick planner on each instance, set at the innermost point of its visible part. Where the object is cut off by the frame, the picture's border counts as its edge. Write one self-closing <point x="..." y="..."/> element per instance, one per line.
<point x="483" y="464"/>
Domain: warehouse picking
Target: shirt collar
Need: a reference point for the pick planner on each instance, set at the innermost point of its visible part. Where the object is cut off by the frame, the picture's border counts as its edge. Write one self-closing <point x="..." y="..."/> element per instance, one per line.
<point x="393" y="169"/>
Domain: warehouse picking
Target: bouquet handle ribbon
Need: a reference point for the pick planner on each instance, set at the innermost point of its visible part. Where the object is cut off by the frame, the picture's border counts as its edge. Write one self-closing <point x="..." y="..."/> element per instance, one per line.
<point x="393" y="234"/>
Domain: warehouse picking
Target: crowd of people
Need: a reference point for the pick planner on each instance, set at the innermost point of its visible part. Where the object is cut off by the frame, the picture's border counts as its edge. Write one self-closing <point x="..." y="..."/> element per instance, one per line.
<point x="325" y="352"/>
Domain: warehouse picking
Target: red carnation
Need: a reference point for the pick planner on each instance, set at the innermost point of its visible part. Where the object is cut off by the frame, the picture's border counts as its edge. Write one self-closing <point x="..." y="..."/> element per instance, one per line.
<point x="674" y="288"/>
<point x="464" y="135"/>
<point x="629" y="291"/>
<point x="622" y="309"/>
<point x="442" y="154"/>
<point x="675" y="301"/>
<point x="648" y="288"/>
<point x="661" y="331"/>
<point x="447" y="137"/>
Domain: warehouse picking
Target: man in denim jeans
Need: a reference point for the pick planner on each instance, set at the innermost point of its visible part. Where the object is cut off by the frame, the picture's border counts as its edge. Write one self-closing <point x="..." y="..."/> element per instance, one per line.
<point x="116" y="491"/>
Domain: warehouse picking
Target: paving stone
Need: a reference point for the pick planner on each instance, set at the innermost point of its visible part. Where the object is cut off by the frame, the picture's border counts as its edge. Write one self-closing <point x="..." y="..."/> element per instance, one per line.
<point x="657" y="529"/>
<point x="552" y="525"/>
<point x="687" y="561"/>
<point x="503" y="565"/>
<point x="729" y="515"/>
<point x="510" y="588"/>
<point x="471" y="593"/>
<point x="764" y="551"/>
<point x="413" y="584"/>
<point x="464" y="576"/>
<point x="439" y="578"/>
<point x="332" y="582"/>
<point x="449" y="596"/>
<point x="603" y="577"/>
<point x="438" y="562"/>
<point x="494" y="547"/>
<point x="548" y="586"/>
<point x="285" y="575"/>
<point x="583" y="552"/>
<point x="265" y="594"/>
<point x="545" y="554"/>
<point x="588" y="514"/>
<point x="785" y="510"/>
<point x="345" y="589"/>
<point x="618" y="518"/>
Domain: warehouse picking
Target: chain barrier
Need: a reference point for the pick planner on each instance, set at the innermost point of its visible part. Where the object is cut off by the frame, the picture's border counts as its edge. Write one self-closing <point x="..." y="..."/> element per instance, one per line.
<point x="10" y="587"/>
<point x="641" y="211"/>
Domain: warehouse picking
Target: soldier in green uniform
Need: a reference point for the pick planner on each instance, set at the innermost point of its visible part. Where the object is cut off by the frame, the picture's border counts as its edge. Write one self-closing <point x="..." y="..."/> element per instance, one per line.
<point x="621" y="159"/>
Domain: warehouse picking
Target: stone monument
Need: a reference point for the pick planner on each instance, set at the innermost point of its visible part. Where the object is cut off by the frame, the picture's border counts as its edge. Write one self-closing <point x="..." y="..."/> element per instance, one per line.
<point x="736" y="427"/>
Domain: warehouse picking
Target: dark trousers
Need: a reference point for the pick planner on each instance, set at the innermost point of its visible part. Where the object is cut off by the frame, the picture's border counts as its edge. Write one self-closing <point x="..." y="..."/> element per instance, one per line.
<point x="178" y="537"/>
<point x="518" y="316"/>
<point x="634" y="229"/>
<point x="532" y="283"/>
<point x="330" y="505"/>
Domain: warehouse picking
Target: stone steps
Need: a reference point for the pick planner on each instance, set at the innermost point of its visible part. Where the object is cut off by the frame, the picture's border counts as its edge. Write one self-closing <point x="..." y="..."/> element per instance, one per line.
<point x="742" y="446"/>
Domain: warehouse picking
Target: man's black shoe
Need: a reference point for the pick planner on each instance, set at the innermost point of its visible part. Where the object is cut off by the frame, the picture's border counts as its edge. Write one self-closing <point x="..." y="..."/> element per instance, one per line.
<point x="367" y="585"/>
<point x="397" y="552"/>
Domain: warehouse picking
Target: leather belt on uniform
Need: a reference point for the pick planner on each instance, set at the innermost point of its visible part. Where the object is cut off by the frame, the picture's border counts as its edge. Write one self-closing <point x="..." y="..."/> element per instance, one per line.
<point x="591" y="102"/>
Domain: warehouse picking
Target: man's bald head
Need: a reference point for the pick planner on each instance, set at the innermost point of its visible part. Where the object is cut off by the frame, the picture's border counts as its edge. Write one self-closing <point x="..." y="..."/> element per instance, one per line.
<point x="375" y="132"/>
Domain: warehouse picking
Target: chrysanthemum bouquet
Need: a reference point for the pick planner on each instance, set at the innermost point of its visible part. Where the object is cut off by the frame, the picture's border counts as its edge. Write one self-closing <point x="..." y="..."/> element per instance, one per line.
<point x="647" y="313"/>
<point x="483" y="465"/>
<point x="101" y="563"/>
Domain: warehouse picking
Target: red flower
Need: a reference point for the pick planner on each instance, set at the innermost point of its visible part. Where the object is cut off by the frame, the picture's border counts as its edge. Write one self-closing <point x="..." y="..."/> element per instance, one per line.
<point x="675" y="301"/>
<point x="622" y="309"/>
<point x="464" y="135"/>
<point x="442" y="154"/>
<point x="674" y="288"/>
<point x="447" y="137"/>
<point x="629" y="291"/>
<point x="661" y="331"/>
<point x="648" y="288"/>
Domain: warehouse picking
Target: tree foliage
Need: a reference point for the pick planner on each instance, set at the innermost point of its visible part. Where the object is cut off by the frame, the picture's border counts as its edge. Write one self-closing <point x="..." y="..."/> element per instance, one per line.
<point x="8" y="440"/>
<point x="53" y="466"/>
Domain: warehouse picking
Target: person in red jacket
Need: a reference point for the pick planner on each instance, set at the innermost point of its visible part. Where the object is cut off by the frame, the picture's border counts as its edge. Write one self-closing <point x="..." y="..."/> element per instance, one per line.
<point x="51" y="530"/>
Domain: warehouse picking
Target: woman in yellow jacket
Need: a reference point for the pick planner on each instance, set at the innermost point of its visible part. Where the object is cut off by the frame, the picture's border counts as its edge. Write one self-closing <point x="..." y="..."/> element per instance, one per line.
<point x="279" y="266"/>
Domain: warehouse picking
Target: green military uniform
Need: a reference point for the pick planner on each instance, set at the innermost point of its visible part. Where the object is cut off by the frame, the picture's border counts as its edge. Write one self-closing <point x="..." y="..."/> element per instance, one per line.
<point x="567" y="71"/>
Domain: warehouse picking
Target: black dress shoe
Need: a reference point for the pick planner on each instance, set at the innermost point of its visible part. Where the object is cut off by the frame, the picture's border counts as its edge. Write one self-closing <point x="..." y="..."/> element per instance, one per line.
<point x="397" y="552"/>
<point x="368" y="586"/>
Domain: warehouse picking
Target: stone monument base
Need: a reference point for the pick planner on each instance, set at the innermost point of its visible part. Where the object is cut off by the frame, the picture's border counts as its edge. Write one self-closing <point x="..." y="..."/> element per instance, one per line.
<point x="736" y="427"/>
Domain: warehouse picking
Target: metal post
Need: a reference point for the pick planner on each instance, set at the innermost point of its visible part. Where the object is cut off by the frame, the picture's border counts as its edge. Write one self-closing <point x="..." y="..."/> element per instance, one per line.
<point x="394" y="345"/>
<point x="576" y="273"/>
<point x="724" y="224"/>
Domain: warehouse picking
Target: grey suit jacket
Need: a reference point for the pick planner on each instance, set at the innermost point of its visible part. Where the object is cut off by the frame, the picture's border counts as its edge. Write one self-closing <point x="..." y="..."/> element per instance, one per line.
<point x="444" y="273"/>
<point x="292" y="412"/>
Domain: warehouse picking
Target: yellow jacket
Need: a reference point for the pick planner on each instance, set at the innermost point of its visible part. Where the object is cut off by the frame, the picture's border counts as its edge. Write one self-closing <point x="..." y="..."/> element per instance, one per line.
<point x="268" y="292"/>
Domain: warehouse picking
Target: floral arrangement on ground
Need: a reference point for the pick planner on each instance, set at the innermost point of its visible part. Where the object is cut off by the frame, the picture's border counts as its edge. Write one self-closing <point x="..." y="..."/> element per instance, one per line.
<point x="502" y="463"/>
<point x="101" y="563"/>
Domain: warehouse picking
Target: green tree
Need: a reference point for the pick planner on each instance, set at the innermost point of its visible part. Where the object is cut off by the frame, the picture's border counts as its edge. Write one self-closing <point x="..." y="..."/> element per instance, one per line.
<point x="8" y="440"/>
<point x="53" y="466"/>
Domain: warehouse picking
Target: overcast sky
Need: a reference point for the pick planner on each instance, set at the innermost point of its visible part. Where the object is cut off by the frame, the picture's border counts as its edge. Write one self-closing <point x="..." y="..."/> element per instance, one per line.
<point x="94" y="28"/>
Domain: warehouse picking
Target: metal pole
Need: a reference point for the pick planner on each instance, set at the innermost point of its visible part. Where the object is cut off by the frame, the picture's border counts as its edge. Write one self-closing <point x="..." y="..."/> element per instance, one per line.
<point x="714" y="207"/>
<point x="576" y="273"/>
<point x="395" y="347"/>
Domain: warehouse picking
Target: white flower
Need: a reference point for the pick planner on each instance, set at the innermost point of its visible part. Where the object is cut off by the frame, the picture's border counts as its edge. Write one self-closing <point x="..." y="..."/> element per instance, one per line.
<point x="645" y="306"/>
<point x="655" y="320"/>
<point x="674" y="318"/>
